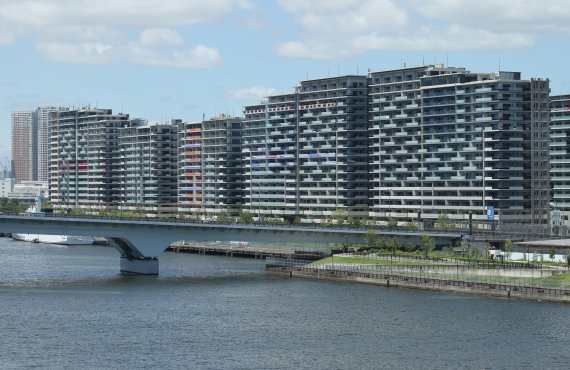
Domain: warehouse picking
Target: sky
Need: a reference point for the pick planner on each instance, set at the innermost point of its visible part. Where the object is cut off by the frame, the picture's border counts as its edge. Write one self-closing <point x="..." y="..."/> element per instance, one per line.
<point x="162" y="59"/>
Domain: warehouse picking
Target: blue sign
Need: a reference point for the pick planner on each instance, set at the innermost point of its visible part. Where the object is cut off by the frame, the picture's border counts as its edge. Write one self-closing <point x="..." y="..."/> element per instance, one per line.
<point x="490" y="212"/>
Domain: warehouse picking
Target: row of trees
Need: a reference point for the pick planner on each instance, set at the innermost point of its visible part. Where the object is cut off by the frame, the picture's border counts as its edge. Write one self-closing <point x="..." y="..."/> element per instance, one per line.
<point x="340" y="217"/>
<point x="375" y="241"/>
<point x="13" y="205"/>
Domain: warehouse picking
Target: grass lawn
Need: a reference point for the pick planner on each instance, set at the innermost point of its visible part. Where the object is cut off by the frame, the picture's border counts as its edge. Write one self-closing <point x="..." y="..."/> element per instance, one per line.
<point x="372" y="261"/>
<point x="561" y="281"/>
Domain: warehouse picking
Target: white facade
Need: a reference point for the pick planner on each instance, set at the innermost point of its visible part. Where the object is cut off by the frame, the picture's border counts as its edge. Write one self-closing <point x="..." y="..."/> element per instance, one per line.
<point x="6" y="186"/>
<point x="30" y="190"/>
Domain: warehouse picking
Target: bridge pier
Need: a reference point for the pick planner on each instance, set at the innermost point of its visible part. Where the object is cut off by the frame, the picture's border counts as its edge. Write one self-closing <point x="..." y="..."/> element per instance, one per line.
<point x="139" y="265"/>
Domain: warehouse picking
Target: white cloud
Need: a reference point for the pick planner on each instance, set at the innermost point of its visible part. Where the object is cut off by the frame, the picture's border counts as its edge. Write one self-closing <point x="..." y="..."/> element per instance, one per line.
<point x="99" y="31"/>
<point x="32" y="15"/>
<point x="342" y="28"/>
<point x="143" y="52"/>
<point x="160" y="37"/>
<point x="530" y="16"/>
<point x="199" y="57"/>
<point x="251" y="93"/>
<point x="79" y="53"/>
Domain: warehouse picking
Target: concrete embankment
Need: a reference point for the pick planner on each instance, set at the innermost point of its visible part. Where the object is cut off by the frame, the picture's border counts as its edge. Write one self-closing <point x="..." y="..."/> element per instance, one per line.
<point x="457" y="286"/>
<point x="241" y="250"/>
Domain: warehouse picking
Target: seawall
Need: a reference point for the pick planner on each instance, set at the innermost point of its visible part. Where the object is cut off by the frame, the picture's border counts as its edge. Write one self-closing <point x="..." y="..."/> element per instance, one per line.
<point x="456" y="286"/>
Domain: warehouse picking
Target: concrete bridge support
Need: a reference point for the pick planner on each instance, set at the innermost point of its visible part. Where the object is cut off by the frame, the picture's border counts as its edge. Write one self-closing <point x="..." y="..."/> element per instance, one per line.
<point x="133" y="261"/>
<point x="139" y="266"/>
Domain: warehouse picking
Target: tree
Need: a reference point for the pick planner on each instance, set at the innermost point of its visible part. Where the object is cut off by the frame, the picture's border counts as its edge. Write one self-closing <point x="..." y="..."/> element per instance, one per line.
<point x="340" y="216"/>
<point x="552" y="254"/>
<point x="411" y="226"/>
<point x="381" y="243"/>
<point x="371" y="238"/>
<point x="465" y="246"/>
<point x="475" y="253"/>
<point x="394" y="245"/>
<point x="355" y="222"/>
<point x="222" y="217"/>
<point x="443" y="222"/>
<point x="76" y="212"/>
<point x="392" y="223"/>
<point x="409" y="247"/>
<point x="427" y="245"/>
<point x="508" y="249"/>
<point x="447" y="251"/>
<point x="13" y="205"/>
<point x="245" y="217"/>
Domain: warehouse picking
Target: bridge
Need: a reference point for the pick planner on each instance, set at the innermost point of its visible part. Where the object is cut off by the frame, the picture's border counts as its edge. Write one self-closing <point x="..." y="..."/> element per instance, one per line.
<point x="141" y="241"/>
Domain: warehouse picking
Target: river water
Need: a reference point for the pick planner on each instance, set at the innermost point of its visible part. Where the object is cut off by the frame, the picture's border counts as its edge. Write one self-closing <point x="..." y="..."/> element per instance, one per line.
<point x="67" y="307"/>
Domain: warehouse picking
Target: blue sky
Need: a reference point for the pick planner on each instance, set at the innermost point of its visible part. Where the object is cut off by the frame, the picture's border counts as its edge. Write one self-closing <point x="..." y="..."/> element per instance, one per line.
<point x="161" y="59"/>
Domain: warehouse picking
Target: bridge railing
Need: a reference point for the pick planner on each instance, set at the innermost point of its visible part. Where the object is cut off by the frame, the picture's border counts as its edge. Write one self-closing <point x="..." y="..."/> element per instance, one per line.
<point x="478" y="229"/>
<point x="326" y="226"/>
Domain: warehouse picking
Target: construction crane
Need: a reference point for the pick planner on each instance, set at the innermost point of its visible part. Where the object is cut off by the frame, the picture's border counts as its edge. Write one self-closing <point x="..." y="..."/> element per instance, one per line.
<point x="6" y="168"/>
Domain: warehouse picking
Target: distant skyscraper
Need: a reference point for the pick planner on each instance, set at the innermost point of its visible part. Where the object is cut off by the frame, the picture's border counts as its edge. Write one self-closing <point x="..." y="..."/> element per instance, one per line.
<point x="30" y="143"/>
<point x="24" y="134"/>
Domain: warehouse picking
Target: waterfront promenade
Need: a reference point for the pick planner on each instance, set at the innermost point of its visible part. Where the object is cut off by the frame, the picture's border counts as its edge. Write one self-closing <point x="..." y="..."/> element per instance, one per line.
<point x="535" y="280"/>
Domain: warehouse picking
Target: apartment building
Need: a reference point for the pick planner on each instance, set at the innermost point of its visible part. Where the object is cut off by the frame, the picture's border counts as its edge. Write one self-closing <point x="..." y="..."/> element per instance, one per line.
<point x="190" y="168"/>
<point x="222" y="174"/>
<point x="85" y="170"/>
<point x="42" y="117"/>
<point x="560" y="154"/>
<point x="210" y="174"/>
<point x="447" y="141"/>
<point x="306" y="153"/>
<point x="30" y="143"/>
<point x="148" y="171"/>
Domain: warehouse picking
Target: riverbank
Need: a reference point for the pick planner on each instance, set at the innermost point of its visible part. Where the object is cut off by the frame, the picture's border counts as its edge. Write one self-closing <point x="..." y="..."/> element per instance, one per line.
<point x="456" y="286"/>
